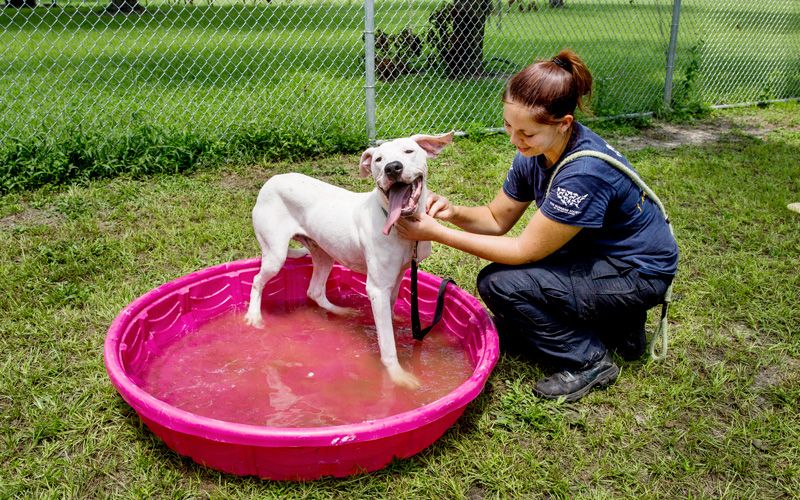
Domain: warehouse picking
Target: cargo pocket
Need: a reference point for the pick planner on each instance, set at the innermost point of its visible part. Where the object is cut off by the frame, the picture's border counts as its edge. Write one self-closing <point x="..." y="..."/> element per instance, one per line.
<point x="613" y="276"/>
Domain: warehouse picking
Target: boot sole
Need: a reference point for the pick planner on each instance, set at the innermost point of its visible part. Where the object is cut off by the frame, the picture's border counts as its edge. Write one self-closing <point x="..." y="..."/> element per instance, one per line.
<point x="606" y="377"/>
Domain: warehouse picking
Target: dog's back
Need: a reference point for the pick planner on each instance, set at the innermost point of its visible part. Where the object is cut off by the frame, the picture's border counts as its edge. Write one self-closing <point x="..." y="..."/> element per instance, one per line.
<point x="300" y="192"/>
<point x="298" y="206"/>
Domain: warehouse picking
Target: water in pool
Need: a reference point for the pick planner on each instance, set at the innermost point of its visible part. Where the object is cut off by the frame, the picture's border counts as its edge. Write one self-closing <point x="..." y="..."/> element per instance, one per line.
<point x="306" y="368"/>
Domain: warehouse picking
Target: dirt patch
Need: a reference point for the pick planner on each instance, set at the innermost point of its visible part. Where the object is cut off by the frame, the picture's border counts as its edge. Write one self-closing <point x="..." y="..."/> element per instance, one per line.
<point x="742" y="336"/>
<point x="32" y="217"/>
<point x="249" y="179"/>
<point x="662" y="135"/>
<point x="776" y="374"/>
<point x="476" y="492"/>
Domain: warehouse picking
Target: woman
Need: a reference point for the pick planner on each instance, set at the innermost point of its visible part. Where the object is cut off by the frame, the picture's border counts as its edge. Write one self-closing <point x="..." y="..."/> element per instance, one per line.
<point x="594" y="257"/>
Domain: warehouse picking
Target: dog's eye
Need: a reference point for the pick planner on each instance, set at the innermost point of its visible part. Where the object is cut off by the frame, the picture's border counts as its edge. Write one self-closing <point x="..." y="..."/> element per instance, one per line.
<point x="379" y="159"/>
<point x="409" y="151"/>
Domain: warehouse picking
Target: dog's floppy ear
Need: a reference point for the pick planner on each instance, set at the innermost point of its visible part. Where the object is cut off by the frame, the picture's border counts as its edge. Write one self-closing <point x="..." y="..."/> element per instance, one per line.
<point x="365" y="166"/>
<point x="433" y="144"/>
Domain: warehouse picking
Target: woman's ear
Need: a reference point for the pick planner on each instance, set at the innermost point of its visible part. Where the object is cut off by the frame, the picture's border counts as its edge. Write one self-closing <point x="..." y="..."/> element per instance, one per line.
<point x="566" y="123"/>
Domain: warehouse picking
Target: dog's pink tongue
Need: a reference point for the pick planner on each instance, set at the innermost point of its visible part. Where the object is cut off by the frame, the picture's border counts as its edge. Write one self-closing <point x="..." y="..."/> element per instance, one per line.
<point x="397" y="196"/>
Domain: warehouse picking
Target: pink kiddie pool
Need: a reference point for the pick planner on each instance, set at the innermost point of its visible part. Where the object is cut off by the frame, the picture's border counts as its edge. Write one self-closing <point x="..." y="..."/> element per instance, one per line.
<point x="177" y="308"/>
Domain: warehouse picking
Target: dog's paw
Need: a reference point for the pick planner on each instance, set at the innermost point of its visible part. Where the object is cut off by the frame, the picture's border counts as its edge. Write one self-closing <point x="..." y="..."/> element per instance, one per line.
<point x="254" y="320"/>
<point x="347" y="312"/>
<point x="404" y="379"/>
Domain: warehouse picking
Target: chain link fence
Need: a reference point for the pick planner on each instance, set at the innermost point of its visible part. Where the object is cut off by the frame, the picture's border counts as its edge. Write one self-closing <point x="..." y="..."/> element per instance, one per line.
<point x="219" y="68"/>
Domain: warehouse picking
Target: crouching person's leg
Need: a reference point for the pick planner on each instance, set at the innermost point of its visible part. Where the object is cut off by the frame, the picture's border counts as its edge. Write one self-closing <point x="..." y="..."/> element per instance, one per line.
<point x="536" y="313"/>
<point x="614" y="298"/>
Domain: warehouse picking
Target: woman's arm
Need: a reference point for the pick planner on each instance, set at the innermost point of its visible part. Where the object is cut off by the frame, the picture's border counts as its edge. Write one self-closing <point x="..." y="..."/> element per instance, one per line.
<point x="496" y="218"/>
<point x="540" y="238"/>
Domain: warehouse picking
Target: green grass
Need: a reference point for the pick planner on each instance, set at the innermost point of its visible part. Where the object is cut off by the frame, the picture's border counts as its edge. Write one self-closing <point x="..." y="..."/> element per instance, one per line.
<point x="717" y="418"/>
<point x="79" y="88"/>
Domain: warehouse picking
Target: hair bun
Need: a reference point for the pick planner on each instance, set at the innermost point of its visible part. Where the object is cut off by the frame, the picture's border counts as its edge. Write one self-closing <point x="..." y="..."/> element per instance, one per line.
<point x="561" y="63"/>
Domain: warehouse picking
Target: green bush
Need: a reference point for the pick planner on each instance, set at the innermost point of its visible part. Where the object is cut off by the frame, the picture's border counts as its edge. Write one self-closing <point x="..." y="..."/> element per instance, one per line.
<point x="148" y="149"/>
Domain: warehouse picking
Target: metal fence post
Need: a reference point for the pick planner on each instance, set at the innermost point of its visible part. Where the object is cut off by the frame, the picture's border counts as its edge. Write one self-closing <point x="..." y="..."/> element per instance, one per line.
<point x="673" y="44"/>
<point x="369" y="67"/>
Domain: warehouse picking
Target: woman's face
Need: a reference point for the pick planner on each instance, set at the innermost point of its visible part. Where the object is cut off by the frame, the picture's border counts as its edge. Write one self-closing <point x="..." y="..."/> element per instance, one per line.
<point x="530" y="137"/>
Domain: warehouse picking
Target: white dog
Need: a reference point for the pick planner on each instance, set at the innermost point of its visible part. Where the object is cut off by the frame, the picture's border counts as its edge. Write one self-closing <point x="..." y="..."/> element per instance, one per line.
<point x="354" y="229"/>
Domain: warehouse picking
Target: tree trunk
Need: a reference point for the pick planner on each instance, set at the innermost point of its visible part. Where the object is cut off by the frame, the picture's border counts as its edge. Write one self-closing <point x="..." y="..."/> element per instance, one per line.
<point x="124" y="7"/>
<point x="464" y="51"/>
<point x="17" y="4"/>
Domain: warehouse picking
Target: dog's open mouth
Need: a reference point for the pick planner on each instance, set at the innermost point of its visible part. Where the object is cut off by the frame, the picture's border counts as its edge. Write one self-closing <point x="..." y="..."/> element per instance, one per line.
<point x="403" y="200"/>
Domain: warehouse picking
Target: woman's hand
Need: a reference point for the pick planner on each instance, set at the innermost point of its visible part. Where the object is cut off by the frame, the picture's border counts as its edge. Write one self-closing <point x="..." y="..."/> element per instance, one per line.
<point x="439" y="207"/>
<point x="422" y="228"/>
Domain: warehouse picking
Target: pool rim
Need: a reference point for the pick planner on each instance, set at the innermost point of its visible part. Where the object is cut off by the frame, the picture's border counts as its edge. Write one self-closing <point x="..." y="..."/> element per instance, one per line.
<point x="149" y="407"/>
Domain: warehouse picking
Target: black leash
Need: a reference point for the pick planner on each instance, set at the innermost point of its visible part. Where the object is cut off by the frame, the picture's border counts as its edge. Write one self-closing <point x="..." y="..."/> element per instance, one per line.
<point x="418" y="332"/>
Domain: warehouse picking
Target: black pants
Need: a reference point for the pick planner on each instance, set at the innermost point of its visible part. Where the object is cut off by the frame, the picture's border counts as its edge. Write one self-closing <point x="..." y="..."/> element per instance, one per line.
<point x="568" y="310"/>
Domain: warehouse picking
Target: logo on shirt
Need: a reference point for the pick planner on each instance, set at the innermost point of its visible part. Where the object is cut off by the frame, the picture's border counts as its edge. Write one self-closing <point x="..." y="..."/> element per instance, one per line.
<point x="570" y="199"/>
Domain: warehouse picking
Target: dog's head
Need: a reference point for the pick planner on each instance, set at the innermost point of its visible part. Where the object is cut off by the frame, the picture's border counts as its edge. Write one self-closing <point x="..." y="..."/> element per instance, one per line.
<point x="400" y="170"/>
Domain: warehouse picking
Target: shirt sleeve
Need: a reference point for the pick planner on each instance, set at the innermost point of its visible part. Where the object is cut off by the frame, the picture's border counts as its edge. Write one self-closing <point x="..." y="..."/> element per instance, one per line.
<point x="519" y="180"/>
<point x="578" y="199"/>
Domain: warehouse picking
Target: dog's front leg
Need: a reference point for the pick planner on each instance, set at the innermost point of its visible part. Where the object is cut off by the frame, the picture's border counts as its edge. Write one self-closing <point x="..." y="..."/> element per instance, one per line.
<point x="395" y="293"/>
<point x="380" y="298"/>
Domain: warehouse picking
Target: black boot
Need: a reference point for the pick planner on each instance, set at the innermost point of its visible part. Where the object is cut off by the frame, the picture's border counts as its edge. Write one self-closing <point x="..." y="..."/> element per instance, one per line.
<point x="626" y="336"/>
<point x="633" y="346"/>
<point x="573" y="385"/>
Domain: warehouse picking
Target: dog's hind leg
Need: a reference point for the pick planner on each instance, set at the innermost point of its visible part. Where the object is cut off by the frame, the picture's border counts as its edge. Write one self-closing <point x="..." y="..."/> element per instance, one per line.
<point x="396" y="317"/>
<point x="273" y="256"/>
<point x="323" y="263"/>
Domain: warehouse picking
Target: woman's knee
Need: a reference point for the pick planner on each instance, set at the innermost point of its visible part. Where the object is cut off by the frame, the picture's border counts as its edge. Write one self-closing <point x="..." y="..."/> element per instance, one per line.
<point x="490" y="284"/>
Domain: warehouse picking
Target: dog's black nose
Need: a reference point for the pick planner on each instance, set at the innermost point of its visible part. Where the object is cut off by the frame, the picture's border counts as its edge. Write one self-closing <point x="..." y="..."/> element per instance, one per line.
<point x="393" y="168"/>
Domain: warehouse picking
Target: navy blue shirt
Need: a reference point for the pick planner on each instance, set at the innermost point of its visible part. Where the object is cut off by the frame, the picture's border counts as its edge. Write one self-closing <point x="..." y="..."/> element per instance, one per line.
<point x="618" y="220"/>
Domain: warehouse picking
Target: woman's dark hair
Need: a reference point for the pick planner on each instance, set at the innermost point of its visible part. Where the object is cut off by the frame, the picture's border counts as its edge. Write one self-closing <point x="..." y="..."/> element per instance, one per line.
<point x="552" y="88"/>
